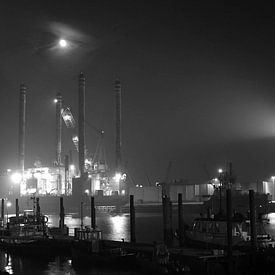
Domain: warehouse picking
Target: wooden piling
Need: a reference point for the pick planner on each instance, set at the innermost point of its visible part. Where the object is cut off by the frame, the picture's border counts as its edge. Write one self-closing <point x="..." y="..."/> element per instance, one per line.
<point x="61" y="214"/>
<point x="37" y="208"/>
<point x="167" y="227"/>
<point x="16" y="209"/>
<point x="93" y="217"/>
<point x="81" y="215"/>
<point x="2" y="209"/>
<point x="229" y="228"/>
<point x="252" y="220"/>
<point x="132" y="220"/>
<point x="180" y="220"/>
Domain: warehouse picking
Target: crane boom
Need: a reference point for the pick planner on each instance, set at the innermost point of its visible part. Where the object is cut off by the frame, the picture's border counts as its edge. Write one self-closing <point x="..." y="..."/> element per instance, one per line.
<point x="68" y="117"/>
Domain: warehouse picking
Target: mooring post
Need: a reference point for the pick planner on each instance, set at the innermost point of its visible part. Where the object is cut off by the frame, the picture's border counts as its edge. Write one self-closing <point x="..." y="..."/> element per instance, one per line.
<point x="165" y="218"/>
<point x="229" y="229"/>
<point x="16" y="209"/>
<point x="61" y="214"/>
<point x="81" y="215"/>
<point x="2" y="209"/>
<point x="208" y="212"/>
<point x="166" y="207"/>
<point x="170" y="222"/>
<point x="93" y="224"/>
<point x="132" y="220"/>
<point x="37" y="208"/>
<point x="252" y="220"/>
<point x="180" y="220"/>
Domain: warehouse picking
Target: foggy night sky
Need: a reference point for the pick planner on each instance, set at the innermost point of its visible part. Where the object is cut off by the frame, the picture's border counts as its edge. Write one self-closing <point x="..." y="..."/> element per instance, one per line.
<point x="198" y="85"/>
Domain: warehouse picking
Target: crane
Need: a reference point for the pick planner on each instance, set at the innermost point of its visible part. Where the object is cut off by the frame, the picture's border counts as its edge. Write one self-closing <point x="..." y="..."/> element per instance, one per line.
<point x="99" y="155"/>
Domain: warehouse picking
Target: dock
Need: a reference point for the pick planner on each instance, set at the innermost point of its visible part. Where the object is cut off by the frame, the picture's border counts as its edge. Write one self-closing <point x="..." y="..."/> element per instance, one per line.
<point x="87" y="248"/>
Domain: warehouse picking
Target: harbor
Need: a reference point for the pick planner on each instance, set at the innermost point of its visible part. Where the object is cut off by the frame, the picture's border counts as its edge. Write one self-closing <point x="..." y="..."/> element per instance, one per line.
<point x="169" y="253"/>
<point x="137" y="137"/>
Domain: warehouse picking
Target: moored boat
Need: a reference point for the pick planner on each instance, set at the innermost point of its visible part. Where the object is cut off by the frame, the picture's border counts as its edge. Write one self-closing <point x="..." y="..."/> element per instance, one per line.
<point x="29" y="234"/>
<point x="211" y="232"/>
<point x="88" y="249"/>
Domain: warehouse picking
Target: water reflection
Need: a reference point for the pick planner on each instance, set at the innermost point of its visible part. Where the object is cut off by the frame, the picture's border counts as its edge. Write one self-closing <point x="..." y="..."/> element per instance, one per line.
<point x="119" y="226"/>
<point x="58" y="265"/>
<point x="8" y="267"/>
<point x="114" y="227"/>
<point x="5" y="263"/>
<point x="270" y="227"/>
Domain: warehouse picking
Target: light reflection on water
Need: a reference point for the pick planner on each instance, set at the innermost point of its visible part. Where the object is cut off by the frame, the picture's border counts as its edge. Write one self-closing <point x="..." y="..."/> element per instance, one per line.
<point x="270" y="227"/>
<point x="5" y="262"/>
<point x="58" y="265"/>
<point x="117" y="227"/>
<point x="114" y="227"/>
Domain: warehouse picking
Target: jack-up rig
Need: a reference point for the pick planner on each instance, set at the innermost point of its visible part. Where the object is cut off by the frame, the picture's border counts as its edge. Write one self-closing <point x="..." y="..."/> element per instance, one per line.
<point x="92" y="177"/>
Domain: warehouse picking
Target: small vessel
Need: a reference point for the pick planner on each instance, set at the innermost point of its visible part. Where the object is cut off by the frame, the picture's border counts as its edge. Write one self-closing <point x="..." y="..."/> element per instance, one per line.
<point x="211" y="232"/>
<point x="89" y="249"/>
<point x="28" y="234"/>
<point x="28" y="225"/>
<point x="240" y="202"/>
<point x="239" y="196"/>
<point x="31" y="224"/>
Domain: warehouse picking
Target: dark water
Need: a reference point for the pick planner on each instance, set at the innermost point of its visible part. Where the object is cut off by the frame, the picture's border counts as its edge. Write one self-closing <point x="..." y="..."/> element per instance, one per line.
<point x="114" y="227"/>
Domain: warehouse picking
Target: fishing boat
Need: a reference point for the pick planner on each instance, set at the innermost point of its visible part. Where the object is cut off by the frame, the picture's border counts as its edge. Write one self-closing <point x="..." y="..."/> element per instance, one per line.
<point x="28" y="225"/>
<point x="240" y="201"/>
<point x="29" y="234"/>
<point x="211" y="232"/>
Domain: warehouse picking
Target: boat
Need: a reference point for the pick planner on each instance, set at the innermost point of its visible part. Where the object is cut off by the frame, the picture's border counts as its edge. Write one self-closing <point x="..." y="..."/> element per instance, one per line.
<point x="211" y="232"/>
<point x="28" y="225"/>
<point x="29" y="234"/>
<point x="240" y="202"/>
<point x="89" y="249"/>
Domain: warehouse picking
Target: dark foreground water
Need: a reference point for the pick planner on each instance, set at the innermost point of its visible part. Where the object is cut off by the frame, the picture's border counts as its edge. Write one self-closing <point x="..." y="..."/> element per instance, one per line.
<point x="114" y="227"/>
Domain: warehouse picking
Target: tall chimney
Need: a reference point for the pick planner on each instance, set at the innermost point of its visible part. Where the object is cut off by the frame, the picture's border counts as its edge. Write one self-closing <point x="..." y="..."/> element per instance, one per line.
<point x="118" y="124"/>
<point x="22" y="128"/>
<point x="58" y="128"/>
<point x="81" y="123"/>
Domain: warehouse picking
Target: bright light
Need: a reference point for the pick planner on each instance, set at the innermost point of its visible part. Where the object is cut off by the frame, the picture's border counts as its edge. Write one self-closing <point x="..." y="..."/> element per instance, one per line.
<point x="87" y="191"/>
<point x="55" y="100"/>
<point x="88" y="162"/>
<point x="9" y="204"/>
<point x="75" y="138"/>
<point x="220" y="171"/>
<point x="63" y="43"/>
<point x="72" y="167"/>
<point x="118" y="225"/>
<point x="117" y="177"/>
<point x="16" y="177"/>
<point x="66" y="117"/>
<point x="273" y="178"/>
